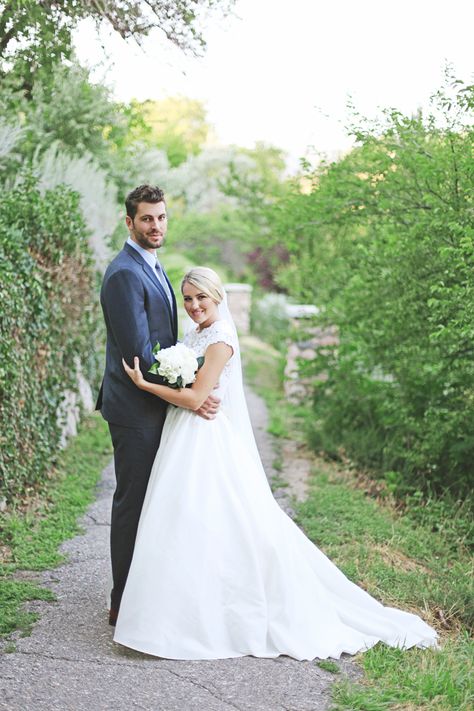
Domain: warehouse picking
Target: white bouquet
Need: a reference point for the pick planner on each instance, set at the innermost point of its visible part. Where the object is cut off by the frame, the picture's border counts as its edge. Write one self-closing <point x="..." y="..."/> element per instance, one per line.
<point x="177" y="365"/>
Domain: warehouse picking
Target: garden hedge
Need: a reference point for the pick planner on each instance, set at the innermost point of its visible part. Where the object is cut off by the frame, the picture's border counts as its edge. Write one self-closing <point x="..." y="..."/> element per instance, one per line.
<point x="48" y="322"/>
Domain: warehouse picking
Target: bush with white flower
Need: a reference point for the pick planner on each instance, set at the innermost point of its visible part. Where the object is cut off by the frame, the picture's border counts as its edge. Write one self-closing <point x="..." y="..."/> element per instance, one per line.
<point x="177" y="365"/>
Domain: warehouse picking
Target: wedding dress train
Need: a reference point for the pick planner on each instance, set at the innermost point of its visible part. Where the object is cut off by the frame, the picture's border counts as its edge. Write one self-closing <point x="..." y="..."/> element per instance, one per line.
<point x="219" y="570"/>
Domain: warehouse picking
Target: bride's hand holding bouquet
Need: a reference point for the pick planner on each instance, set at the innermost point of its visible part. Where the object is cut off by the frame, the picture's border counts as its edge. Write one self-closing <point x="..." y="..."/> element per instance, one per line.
<point x="177" y="367"/>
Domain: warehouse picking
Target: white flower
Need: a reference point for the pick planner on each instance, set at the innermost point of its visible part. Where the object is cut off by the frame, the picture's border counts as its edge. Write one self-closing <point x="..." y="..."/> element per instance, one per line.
<point x="177" y="365"/>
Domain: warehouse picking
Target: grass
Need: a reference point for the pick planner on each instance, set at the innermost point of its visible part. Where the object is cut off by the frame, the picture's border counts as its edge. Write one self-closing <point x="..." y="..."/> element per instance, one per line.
<point x="263" y="366"/>
<point x="32" y="531"/>
<point x="414" y="556"/>
<point x="387" y="553"/>
<point x="13" y="594"/>
<point x="329" y="666"/>
<point x="277" y="482"/>
<point x="425" y="680"/>
<point x="406" y="565"/>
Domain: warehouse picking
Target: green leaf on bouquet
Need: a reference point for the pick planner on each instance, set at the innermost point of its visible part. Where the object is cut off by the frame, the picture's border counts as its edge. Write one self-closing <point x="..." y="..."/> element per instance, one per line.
<point x="200" y="361"/>
<point x="156" y="348"/>
<point x="154" y="369"/>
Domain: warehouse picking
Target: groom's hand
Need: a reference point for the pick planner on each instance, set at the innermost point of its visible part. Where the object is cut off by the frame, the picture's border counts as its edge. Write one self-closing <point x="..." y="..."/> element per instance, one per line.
<point x="209" y="408"/>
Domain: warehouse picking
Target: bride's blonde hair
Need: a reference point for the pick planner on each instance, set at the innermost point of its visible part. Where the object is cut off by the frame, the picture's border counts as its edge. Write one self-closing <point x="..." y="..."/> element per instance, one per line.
<point x="207" y="281"/>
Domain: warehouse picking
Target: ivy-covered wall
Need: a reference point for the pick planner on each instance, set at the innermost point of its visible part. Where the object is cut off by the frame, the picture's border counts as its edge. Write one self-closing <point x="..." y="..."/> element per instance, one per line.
<point x="49" y="320"/>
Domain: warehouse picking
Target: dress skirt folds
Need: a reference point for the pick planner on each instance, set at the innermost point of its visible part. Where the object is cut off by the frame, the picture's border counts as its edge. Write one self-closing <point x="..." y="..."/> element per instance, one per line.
<point x="219" y="570"/>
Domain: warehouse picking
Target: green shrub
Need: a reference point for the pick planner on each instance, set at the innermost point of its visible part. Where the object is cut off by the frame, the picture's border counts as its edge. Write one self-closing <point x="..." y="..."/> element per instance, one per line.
<point x="48" y="321"/>
<point x="383" y="242"/>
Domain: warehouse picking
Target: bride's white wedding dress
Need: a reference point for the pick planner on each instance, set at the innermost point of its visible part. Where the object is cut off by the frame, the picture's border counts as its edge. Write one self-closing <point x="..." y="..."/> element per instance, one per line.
<point x="219" y="570"/>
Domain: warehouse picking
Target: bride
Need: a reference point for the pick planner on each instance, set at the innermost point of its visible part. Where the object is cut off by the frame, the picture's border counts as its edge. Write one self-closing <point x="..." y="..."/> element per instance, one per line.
<point x="218" y="569"/>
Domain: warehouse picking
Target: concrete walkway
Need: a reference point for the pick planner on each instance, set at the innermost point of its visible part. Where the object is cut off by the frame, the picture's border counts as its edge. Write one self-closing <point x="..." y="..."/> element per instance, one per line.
<point x="70" y="663"/>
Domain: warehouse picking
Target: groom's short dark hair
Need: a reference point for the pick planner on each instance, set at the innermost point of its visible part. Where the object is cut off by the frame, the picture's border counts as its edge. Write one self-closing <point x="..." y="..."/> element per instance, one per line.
<point x="144" y="193"/>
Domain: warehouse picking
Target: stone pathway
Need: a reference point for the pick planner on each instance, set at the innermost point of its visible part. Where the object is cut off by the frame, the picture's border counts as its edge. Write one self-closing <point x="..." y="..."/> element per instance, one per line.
<point x="70" y="663"/>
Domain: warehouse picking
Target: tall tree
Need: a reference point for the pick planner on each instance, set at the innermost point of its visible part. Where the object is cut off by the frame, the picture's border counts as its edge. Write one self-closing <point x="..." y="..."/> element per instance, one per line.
<point x="38" y="33"/>
<point x="178" y="126"/>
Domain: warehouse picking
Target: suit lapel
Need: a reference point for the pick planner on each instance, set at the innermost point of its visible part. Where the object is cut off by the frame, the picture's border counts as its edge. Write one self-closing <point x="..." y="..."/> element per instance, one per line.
<point x="156" y="283"/>
<point x="175" y="307"/>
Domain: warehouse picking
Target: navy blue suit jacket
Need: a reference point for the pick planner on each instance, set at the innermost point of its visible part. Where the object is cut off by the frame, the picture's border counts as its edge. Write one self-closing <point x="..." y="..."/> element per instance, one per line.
<point x="137" y="315"/>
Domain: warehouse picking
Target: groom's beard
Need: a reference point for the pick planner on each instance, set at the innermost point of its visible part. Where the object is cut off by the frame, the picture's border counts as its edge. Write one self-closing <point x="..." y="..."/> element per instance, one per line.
<point x="148" y="240"/>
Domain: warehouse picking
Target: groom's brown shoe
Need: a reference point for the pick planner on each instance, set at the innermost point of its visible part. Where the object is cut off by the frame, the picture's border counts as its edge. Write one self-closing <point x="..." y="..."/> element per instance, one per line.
<point x="113" y="614"/>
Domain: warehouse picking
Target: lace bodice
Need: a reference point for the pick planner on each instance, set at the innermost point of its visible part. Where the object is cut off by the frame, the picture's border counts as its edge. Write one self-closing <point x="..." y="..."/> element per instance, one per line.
<point x="218" y="332"/>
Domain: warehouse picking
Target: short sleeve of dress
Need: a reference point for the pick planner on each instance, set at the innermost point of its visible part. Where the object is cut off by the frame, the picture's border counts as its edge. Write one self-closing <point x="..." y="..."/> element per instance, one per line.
<point x="220" y="332"/>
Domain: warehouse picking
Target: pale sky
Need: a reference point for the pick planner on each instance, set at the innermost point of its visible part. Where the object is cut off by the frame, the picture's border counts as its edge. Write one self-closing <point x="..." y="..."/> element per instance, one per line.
<point x="282" y="72"/>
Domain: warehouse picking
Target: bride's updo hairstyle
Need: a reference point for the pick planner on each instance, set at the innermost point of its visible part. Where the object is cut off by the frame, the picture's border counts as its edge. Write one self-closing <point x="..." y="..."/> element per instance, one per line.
<point x="207" y="281"/>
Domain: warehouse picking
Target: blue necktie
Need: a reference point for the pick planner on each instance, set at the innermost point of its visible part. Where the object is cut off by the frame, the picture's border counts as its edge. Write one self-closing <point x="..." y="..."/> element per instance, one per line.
<point x="161" y="278"/>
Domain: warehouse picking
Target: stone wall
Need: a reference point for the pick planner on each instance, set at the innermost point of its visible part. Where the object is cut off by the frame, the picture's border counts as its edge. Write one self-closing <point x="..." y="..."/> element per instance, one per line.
<point x="73" y="406"/>
<point x="239" y="298"/>
<point x="311" y="340"/>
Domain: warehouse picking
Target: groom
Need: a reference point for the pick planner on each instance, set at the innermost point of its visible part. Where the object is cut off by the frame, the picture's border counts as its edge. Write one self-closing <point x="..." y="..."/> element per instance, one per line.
<point x="139" y="309"/>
